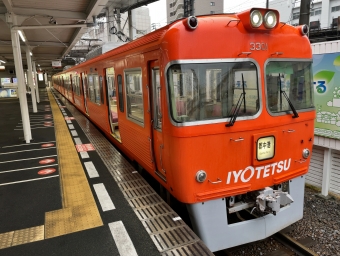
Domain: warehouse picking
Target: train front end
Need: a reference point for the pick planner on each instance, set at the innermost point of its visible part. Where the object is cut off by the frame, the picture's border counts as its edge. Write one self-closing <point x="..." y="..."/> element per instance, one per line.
<point x="240" y="123"/>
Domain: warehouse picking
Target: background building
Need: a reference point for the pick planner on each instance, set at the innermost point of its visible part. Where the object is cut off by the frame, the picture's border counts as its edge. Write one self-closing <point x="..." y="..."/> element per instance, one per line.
<point x="177" y="9"/>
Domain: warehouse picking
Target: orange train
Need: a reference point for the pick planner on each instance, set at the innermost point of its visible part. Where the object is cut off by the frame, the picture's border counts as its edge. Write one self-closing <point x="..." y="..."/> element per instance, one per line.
<point x="219" y="109"/>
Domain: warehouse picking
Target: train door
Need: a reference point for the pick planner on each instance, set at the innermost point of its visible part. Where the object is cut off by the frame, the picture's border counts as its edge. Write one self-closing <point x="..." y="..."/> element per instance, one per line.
<point x="112" y="102"/>
<point x="84" y="80"/>
<point x="156" y="112"/>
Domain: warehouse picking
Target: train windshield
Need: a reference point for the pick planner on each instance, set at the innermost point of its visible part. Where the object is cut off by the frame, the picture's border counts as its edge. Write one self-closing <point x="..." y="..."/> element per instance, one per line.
<point x="292" y="80"/>
<point x="207" y="91"/>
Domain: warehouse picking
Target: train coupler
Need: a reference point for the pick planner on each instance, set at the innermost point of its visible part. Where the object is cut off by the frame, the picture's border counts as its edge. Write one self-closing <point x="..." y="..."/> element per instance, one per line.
<point x="271" y="200"/>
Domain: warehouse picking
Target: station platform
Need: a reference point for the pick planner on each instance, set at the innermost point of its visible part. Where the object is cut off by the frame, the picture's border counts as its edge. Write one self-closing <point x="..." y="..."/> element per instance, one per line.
<point x="70" y="192"/>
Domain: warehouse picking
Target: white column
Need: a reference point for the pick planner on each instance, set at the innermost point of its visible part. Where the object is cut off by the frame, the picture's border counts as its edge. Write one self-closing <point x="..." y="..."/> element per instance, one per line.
<point x="45" y="78"/>
<point x="327" y="158"/>
<point x="325" y="22"/>
<point x="36" y="81"/>
<point x="30" y="79"/>
<point x="21" y="83"/>
<point x="130" y="19"/>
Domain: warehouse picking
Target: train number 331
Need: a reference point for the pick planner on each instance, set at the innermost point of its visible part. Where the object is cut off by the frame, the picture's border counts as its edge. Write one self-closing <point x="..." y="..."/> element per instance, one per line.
<point x="258" y="46"/>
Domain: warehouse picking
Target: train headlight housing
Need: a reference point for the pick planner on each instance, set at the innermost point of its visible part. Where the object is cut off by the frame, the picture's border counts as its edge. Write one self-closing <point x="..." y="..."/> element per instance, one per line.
<point x="305" y="153"/>
<point x="201" y="176"/>
<point x="270" y="19"/>
<point x="256" y="18"/>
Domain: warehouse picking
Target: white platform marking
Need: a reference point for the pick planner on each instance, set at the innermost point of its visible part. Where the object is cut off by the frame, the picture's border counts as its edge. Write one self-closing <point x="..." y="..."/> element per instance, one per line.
<point x="10" y="183"/>
<point x="84" y="155"/>
<point x="91" y="170"/>
<point x="23" y="169"/>
<point x="122" y="239"/>
<point x="103" y="197"/>
<point x="74" y="133"/>
<point x="25" y="150"/>
<point x="27" y="144"/>
<point x="70" y="126"/>
<point x="77" y="141"/>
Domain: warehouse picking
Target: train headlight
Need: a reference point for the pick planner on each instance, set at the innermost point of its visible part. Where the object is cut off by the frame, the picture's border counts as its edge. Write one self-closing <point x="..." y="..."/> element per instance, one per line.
<point x="304" y="29"/>
<point x="305" y="153"/>
<point x="201" y="176"/>
<point x="192" y="22"/>
<point x="270" y="19"/>
<point x="256" y="18"/>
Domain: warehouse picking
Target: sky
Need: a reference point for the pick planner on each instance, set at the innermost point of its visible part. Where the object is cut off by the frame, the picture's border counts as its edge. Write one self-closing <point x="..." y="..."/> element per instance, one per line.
<point x="158" y="9"/>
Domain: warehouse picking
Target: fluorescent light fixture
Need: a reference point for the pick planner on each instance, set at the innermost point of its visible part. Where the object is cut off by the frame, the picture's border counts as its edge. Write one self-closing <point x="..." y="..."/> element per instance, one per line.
<point x="21" y="35"/>
<point x="2" y="61"/>
<point x="31" y="53"/>
<point x="39" y="65"/>
<point x="2" y="67"/>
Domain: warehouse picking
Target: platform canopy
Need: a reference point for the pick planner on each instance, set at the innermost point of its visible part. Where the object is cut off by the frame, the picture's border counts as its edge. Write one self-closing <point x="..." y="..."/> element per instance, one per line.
<point x="51" y="28"/>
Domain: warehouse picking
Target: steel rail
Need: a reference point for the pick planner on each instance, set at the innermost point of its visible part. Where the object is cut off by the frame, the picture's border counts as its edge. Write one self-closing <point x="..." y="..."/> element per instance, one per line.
<point x="294" y="245"/>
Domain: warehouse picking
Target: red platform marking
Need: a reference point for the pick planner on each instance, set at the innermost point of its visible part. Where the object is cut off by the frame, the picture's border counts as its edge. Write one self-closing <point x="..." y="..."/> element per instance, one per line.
<point x="84" y="147"/>
<point x="47" y="145"/>
<point x="69" y="118"/>
<point x="48" y="117"/>
<point x="62" y="106"/>
<point x="47" y="161"/>
<point x="48" y="124"/>
<point x="46" y="171"/>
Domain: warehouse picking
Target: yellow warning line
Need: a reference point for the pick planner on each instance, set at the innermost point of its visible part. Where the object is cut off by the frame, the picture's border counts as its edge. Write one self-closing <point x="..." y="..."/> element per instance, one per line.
<point x="79" y="210"/>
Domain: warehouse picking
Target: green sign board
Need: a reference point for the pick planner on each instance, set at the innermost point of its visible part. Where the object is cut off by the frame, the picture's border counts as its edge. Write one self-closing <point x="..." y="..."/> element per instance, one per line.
<point x="326" y="69"/>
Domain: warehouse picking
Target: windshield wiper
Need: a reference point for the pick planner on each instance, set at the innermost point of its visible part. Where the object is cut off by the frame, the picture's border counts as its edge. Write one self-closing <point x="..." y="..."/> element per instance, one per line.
<point x="241" y="100"/>
<point x="288" y="100"/>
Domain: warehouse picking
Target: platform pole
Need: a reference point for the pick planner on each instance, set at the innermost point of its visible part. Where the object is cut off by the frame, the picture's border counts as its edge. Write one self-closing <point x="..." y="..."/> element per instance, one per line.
<point x="36" y="82"/>
<point x="21" y="83"/>
<point x="326" y="173"/>
<point x="30" y="79"/>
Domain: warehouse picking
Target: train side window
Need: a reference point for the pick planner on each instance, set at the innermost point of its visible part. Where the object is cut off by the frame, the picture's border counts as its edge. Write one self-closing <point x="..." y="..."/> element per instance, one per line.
<point x="120" y="93"/>
<point x="101" y="89"/>
<point x="157" y="98"/>
<point x="134" y="95"/>
<point x="80" y="85"/>
<point x="91" y="88"/>
<point x="96" y="89"/>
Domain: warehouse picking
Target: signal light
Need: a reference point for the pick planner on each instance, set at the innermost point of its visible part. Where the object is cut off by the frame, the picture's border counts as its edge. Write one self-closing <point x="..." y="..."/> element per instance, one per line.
<point x="256" y="18"/>
<point x="270" y="19"/>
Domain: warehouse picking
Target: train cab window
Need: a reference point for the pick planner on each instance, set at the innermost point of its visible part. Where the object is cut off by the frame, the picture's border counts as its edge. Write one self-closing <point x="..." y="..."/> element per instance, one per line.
<point x="207" y="91"/>
<point x="91" y="88"/>
<point x="134" y="95"/>
<point x="120" y="93"/>
<point x="289" y="82"/>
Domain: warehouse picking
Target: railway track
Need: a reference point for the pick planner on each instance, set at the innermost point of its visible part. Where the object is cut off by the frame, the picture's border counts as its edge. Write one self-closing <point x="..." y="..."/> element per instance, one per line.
<point x="297" y="247"/>
<point x="287" y="246"/>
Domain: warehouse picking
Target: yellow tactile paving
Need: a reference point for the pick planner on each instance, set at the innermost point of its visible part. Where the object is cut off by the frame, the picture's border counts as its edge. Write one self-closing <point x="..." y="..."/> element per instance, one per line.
<point x="6" y="239"/>
<point x="79" y="211"/>
<point x="28" y="235"/>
